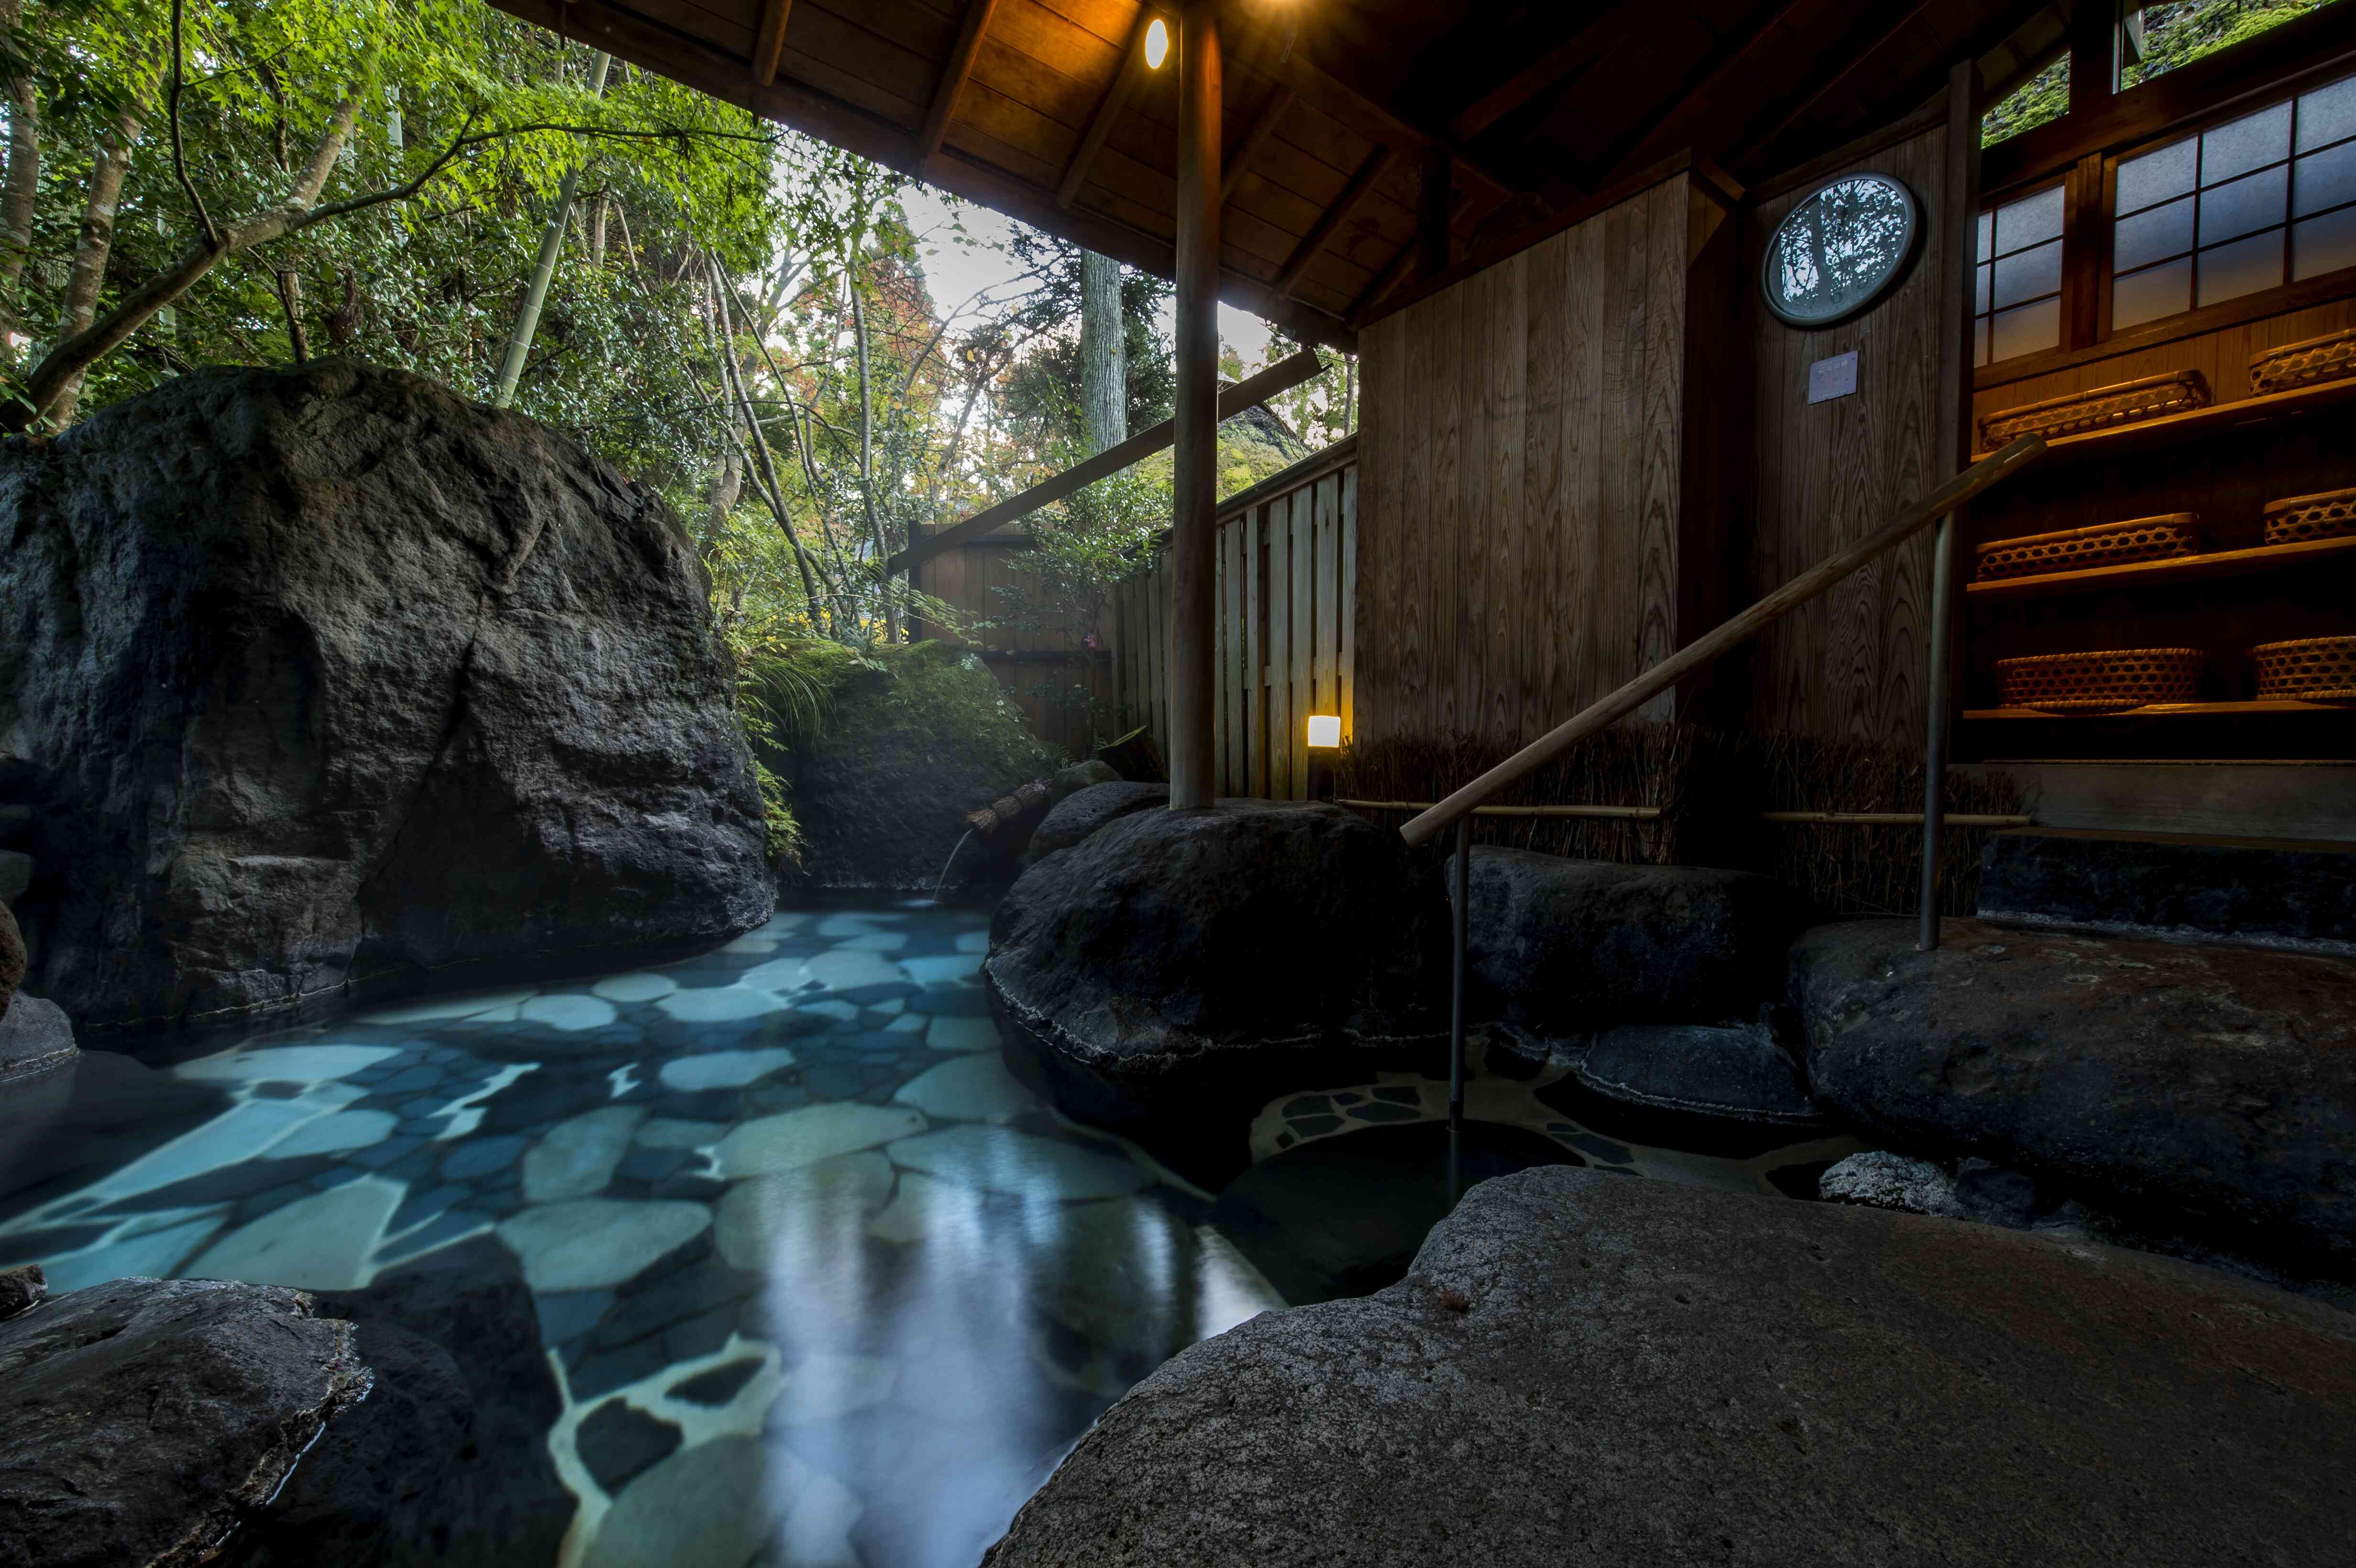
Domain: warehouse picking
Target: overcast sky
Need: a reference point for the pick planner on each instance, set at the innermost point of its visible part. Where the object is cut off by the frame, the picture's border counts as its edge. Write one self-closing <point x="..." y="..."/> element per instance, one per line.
<point x="956" y="270"/>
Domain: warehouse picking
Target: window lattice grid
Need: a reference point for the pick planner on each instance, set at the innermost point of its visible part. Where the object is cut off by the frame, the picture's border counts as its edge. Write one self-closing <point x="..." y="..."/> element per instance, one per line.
<point x="2017" y="282"/>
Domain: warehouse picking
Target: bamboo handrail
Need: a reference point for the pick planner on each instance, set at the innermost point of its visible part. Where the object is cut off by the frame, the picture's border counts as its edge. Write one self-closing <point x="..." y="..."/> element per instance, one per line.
<point x="1712" y="646"/>
<point x="1652" y="813"/>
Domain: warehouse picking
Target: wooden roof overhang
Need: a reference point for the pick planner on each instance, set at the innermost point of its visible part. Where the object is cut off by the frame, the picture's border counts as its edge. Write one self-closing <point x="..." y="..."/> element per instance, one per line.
<point x="1042" y="109"/>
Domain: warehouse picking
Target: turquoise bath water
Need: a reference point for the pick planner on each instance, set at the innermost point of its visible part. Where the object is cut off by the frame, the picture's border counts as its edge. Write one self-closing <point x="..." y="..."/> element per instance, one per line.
<point x="821" y="1283"/>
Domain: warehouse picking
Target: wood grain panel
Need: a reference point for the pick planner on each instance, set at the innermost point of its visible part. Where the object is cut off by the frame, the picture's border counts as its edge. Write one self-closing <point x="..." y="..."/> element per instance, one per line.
<point x="1254" y="529"/>
<point x="1851" y="665"/>
<point x="1304" y="630"/>
<point x="1524" y="555"/>
<point x="1346" y="685"/>
<point x="1277" y="645"/>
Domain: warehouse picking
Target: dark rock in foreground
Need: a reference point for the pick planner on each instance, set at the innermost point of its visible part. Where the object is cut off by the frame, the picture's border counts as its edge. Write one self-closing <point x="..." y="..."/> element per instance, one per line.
<point x="1171" y="972"/>
<point x="35" y="1037"/>
<point x="326" y="675"/>
<point x="2261" y="892"/>
<point x="1082" y="812"/>
<point x="448" y="1462"/>
<point x="1584" y="1368"/>
<point x="12" y="959"/>
<point x="144" y="1420"/>
<point x="2203" y="1089"/>
<point x="1560" y="947"/>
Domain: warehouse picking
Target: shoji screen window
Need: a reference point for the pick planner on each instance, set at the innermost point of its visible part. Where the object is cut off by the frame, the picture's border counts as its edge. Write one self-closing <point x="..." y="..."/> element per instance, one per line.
<point x="2017" y="298"/>
<point x="2261" y="201"/>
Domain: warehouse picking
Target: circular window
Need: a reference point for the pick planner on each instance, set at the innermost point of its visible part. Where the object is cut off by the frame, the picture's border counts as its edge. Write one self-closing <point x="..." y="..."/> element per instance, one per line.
<point x="1839" y="250"/>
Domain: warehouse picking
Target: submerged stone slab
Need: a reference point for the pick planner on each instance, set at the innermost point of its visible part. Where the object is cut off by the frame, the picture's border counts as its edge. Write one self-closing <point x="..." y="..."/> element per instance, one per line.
<point x="1168" y="973"/>
<point x="1740" y="1075"/>
<point x="1584" y="1368"/>
<point x="592" y="1243"/>
<point x="2261" y="892"/>
<point x="141" y="1421"/>
<point x="1561" y="946"/>
<point x="2202" y="1088"/>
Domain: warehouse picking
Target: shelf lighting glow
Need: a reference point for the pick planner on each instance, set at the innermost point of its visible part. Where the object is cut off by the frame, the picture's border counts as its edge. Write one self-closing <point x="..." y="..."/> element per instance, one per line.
<point x="1325" y="730"/>
<point x="1157" y="43"/>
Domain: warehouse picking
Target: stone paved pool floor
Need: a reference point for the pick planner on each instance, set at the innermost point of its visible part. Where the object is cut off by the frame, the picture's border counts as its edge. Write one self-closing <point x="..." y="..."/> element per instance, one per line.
<point x="821" y="1283"/>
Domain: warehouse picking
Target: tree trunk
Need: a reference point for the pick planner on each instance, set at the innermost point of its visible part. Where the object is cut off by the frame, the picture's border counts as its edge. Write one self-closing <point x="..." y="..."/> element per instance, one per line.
<point x="598" y="205"/>
<point x="1104" y="360"/>
<point x="867" y="460"/>
<point x="726" y="489"/>
<point x="112" y="162"/>
<point x="23" y="188"/>
<point x="551" y="241"/>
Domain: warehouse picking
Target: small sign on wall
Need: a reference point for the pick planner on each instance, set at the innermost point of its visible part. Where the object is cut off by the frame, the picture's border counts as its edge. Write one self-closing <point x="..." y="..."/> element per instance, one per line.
<point x="1832" y="377"/>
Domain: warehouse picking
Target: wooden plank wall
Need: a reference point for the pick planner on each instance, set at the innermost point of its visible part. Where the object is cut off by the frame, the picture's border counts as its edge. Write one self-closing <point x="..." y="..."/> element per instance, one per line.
<point x="1039" y="656"/>
<point x="1852" y="664"/>
<point x="1287" y="608"/>
<point x="1524" y="474"/>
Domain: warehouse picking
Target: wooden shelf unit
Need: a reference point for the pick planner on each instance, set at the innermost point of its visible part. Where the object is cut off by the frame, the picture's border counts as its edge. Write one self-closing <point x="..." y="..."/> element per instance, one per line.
<point x="2169" y="710"/>
<point x="2218" y="419"/>
<point x="2178" y="568"/>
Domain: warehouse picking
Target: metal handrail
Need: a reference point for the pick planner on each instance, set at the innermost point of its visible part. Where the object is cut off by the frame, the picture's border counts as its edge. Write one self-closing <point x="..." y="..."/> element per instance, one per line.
<point x="1457" y="809"/>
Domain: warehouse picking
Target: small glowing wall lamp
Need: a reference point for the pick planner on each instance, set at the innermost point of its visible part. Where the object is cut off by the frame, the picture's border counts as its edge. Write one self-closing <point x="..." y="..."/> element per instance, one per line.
<point x="1325" y="739"/>
<point x="1157" y="43"/>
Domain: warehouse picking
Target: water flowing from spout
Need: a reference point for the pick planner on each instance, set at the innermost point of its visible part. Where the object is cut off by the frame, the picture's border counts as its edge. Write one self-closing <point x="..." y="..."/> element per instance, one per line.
<point x="944" y="883"/>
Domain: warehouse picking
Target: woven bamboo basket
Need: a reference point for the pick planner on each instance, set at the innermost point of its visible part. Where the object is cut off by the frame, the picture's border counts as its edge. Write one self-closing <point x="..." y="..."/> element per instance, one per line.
<point x="2311" y="669"/>
<point x="2103" y="682"/>
<point x="2303" y="364"/>
<point x="2128" y="402"/>
<point x="2104" y="544"/>
<point x="2298" y="518"/>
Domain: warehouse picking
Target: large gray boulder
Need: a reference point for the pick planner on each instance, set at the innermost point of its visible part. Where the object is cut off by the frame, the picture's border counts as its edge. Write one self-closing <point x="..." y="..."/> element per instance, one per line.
<point x="1171" y="972"/>
<point x="1584" y="1368"/>
<point x="144" y="1420"/>
<point x="1559" y="947"/>
<point x="330" y="678"/>
<point x="1084" y="811"/>
<point x="1704" y="1069"/>
<point x="2205" y="1089"/>
<point x="12" y="959"/>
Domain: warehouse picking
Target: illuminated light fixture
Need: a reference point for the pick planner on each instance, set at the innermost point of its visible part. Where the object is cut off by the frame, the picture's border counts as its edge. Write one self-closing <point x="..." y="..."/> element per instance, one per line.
<point x="1325" y="730"/>
<point x="1157" y="43"/>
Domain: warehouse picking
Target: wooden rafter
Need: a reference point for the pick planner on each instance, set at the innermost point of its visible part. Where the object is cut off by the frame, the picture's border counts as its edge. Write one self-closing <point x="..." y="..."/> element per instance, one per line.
<point x="1396" y="270"/>
<point x="1557" y="68"/>
<point x="1828" y="83"/>
<point x="953" y="77"/>
<point x="1312" y="245"/>
<point x="1125" y="79"/>
<point x="1263" y="127"/>
<point x="1321" y="88"/>
<point x="629" y="36"/>
<point x="1699" y="84"/>
<point x="769" y="41"/>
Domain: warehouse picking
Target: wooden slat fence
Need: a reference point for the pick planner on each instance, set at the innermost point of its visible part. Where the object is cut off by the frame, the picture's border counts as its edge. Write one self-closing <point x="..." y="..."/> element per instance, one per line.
<point x="1287" y="605"/>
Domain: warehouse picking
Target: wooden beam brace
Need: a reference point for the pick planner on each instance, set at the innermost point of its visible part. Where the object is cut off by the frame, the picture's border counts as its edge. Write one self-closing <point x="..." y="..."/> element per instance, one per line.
<point x="1249" y="146"/>
<point x="769" y="42"/>
<point x="1313" y="244"/>
<point x="1125" y="82"/>
<point x="953" y="77"/>
<point x="1559" y="67"/>
<point x="1827" y="85"/>
<point x="1661" y="130"/>
<point x="1281" y="377"/>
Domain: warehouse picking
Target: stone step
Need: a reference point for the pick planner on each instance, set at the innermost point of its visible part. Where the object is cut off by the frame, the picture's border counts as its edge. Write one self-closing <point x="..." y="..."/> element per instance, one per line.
<point x="2260" y="892"/>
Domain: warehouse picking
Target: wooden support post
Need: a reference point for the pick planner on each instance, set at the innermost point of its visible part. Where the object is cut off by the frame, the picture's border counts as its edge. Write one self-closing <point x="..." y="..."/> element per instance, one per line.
<point x="1194" y="539"/>
<point x="2093" y="55"/>
<point x="1958" y="240"/>
<point x="769" y="40"/>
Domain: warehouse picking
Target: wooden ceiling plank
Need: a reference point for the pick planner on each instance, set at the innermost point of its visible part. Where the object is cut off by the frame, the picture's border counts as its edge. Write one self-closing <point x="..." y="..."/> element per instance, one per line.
<point x="769" y="42"/>
<point x="1699" y="83"/>
<point x="1373" y="169"/>
<point x="1126" y="77"/>
<point x="1828" y="83"/>
<point x="953" y="77"/>
<point x="1263" y="126"/>
<point x="1559" y="67"/>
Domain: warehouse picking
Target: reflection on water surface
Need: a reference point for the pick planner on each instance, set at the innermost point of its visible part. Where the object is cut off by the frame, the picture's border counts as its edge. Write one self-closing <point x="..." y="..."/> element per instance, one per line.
<point x="822" y="1283"/>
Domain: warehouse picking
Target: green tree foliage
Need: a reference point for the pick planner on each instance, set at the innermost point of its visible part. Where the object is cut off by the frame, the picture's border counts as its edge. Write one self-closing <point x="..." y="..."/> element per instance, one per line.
<point x="2174" y="34"/>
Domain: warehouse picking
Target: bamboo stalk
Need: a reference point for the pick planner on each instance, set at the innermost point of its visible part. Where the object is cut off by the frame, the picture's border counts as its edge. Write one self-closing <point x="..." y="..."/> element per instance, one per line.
<point x="1632" y="813"/>
<point x="1650" y="813"/>
<point x="1712" y="646"/>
